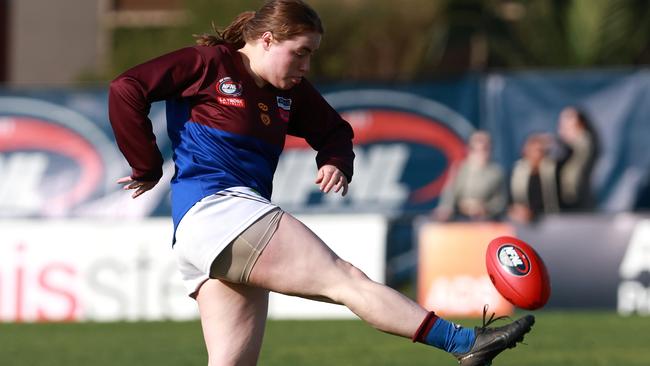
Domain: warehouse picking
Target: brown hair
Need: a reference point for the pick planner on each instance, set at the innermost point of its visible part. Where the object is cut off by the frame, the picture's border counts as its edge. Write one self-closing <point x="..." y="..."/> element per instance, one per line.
<point x="284" y="18"/>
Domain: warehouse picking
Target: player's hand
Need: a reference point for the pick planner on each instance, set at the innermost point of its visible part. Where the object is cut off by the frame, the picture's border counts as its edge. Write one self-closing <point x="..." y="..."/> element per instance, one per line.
<point x="139" y="186"/>
<point x="330" y="177"/>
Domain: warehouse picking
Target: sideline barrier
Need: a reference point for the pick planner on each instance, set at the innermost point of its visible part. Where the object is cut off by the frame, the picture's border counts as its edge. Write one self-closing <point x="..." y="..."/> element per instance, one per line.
<point x="101" y="270"/>
<point x="594" y="261"/>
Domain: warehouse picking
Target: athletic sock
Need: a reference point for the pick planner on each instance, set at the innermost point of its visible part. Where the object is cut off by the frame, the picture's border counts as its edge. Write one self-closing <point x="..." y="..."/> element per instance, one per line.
<point x="444" y="334"/>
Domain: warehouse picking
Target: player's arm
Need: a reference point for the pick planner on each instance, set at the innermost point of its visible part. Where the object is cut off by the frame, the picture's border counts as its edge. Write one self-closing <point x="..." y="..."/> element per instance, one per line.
<point x="177" y="74"/>
<point x="326" y="132"/>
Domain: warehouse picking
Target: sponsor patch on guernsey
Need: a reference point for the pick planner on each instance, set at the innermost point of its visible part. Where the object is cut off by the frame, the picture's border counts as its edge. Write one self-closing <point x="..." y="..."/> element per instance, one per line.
<point x="232" y="102"/>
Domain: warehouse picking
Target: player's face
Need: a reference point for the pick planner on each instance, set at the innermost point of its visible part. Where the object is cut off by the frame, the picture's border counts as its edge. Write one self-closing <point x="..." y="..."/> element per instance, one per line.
<point x="288" y="60"/>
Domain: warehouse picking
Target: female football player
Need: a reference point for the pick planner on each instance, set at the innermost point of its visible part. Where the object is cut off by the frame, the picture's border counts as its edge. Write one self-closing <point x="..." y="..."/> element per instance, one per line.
<point x="231" y="100"/>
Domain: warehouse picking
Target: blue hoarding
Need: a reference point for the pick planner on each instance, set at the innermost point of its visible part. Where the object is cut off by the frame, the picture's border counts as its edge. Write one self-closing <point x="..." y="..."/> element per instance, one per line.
<point x="58" y="157"/>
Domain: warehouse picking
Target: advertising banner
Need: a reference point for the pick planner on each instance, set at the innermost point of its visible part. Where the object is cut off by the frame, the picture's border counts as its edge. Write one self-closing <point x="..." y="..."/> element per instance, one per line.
<point x="594" y="261"/>
<point x="58" y="149"/>
<point x="59" y="146"/>
<point x="452" y="277"/>
<point x="101" y="270"/>
<point x="58" y="152"/>
<point x="634" y="285"/>
<point x="404" y="145"/>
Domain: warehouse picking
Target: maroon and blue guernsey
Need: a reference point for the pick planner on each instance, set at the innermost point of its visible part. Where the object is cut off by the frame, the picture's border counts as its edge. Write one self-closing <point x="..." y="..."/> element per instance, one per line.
<point x="225" y="130"/>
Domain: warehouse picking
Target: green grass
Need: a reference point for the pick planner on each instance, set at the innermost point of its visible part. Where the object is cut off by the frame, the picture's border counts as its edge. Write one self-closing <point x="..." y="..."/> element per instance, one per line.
<point x="559" y="338"/>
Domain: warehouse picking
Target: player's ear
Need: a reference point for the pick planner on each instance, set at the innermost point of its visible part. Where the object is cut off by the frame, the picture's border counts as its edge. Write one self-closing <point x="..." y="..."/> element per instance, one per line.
<point x="267" y="39"/>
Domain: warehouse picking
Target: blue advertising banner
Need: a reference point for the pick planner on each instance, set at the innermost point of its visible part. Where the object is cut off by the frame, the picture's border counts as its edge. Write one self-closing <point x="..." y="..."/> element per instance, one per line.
<point x="404" y="144"/>
<point x="58" y="152"/>
<point x="58" y="157"/>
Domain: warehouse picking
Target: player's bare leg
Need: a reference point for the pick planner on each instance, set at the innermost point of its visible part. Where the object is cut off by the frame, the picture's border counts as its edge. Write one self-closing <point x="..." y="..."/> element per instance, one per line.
<point x="233" y="317"/>
<point x="297" y="262"/>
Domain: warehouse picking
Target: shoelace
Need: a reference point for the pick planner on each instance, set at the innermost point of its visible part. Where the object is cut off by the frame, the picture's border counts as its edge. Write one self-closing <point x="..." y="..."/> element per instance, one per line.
<point x="492" y="319"/>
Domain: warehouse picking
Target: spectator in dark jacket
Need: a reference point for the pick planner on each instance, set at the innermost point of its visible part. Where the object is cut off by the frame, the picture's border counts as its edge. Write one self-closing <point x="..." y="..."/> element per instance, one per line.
<point x="578" y="154"/>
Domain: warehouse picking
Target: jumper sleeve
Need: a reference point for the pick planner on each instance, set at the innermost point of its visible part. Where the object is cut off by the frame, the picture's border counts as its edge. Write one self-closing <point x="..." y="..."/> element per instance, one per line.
<point x="324" y="130"/>
<point x="177" y="74"/>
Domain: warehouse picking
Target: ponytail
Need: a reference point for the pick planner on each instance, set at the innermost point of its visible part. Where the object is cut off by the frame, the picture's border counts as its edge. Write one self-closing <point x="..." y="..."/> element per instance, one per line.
<point x="285" y="18"/>
<point x="233" y="34"/>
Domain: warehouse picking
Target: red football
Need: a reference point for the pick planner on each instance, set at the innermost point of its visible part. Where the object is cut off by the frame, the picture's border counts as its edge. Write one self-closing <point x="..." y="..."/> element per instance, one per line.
<point x="518" y="272"/>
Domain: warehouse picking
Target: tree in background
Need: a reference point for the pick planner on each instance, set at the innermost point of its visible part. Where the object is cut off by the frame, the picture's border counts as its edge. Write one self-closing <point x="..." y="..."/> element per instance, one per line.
<point x="380" y="40"/>
<point x="363" y="39"/>
<point x="385" y="40"/>
<point x="558" y="33"/>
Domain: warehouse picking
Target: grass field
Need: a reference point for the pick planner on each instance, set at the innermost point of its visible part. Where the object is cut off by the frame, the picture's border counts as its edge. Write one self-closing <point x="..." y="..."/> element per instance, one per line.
<point x="559" y="338"/>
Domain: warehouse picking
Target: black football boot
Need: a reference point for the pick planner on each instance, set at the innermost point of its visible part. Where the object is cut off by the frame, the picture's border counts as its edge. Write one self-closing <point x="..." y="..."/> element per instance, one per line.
<point x="490" y="341"/>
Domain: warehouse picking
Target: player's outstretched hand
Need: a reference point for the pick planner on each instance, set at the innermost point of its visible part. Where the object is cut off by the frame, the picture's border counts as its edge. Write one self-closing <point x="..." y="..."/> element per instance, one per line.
<point x="330" y="177"/>
<point x="139" y="186"/>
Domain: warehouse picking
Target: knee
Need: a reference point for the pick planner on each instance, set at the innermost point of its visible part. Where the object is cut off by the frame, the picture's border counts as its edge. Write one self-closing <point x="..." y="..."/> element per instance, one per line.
<point x="351" y="272"/>
<point x="350" y="282"/>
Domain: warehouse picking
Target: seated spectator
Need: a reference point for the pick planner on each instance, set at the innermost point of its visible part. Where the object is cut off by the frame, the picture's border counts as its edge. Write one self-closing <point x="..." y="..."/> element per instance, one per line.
<point x="533" y="183"/>
<point x="476" y="189"/>
<point x="576" y="161"/>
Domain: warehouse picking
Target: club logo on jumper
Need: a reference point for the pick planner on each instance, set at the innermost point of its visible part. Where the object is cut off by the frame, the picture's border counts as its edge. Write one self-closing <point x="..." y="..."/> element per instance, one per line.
<point x="228" y="87"/>
<point x="514" y="260"/>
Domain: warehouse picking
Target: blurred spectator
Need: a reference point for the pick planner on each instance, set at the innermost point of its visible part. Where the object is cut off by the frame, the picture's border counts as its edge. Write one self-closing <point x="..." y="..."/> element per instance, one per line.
<point x="643" y="194"/>
<point x="578" y="153"/>
<point x="476" y="189"/>
<point x="533" y="183"/>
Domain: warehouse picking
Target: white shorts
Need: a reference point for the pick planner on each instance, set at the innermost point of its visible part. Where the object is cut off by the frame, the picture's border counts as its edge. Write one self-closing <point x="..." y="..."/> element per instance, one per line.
<point x="209" y="226"/>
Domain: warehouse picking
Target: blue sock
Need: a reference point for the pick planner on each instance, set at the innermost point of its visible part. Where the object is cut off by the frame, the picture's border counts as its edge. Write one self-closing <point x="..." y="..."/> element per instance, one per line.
<point x="446" y="335"/>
